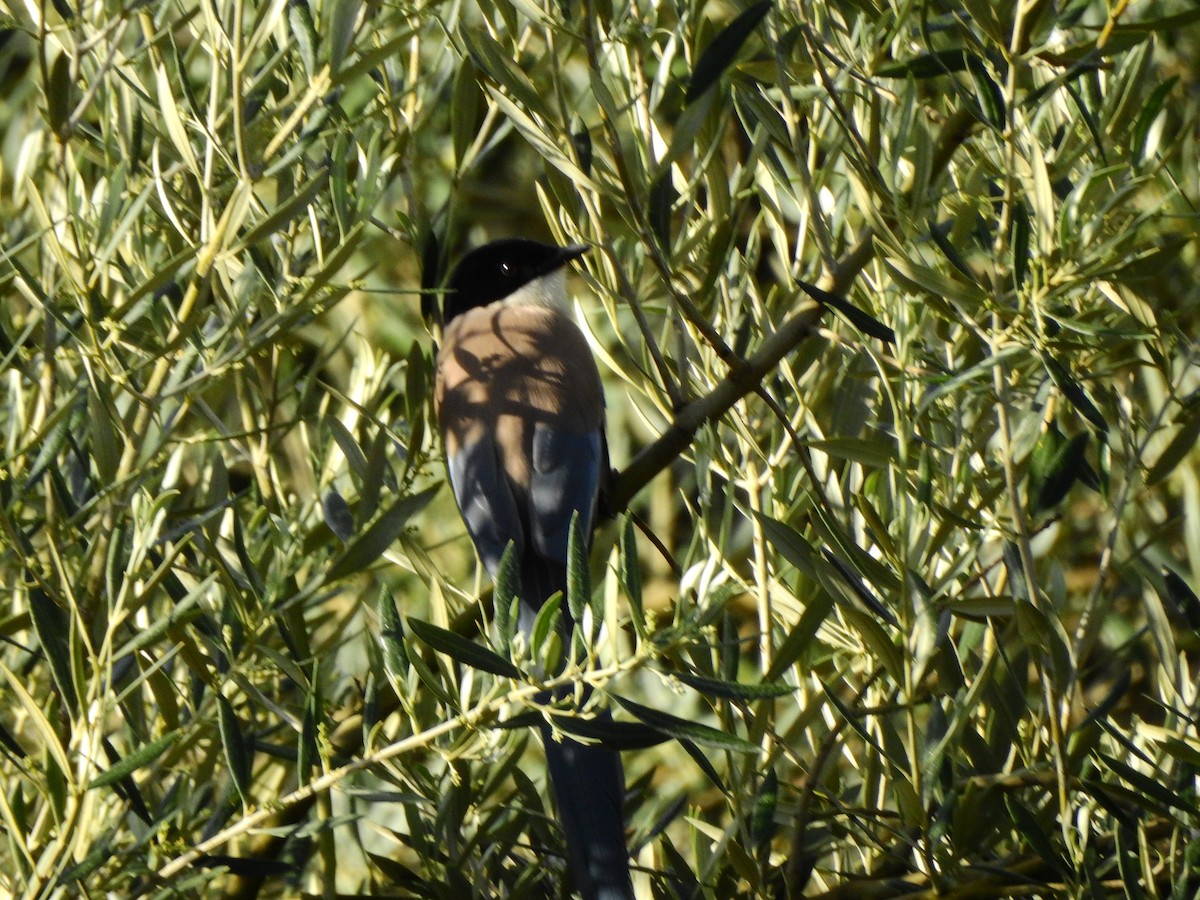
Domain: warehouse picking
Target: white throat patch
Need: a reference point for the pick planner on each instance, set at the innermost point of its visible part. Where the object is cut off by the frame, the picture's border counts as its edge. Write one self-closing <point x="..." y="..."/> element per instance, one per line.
<point x="548" y="291"/>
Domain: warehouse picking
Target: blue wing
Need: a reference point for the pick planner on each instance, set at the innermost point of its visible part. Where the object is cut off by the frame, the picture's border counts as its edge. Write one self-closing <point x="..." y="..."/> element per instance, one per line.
<point x="486" y="500"/>
<point x="565" y="478"/>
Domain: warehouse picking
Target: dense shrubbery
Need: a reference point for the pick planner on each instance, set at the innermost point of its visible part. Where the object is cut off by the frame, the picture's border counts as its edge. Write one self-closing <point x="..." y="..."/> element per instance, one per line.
<point x="896" y="303"/>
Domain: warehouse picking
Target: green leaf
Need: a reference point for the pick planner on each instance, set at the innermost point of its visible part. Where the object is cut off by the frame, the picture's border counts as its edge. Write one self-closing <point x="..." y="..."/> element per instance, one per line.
<point x="579" y="588"/>
<point x="871" y="453"/>
<point x="106" y="442"/>
<point x="306" y="744"/>
<point x="1153" y="788"/>
<point x="336" y="512"/>
<point x="98" y="856"/>
<point x="762" y="824"/>
<point x="1019" y="241"/>
<point x="882" y="649"/>
<point x="544" y="624"/>
<point x="431" y="680"/>
<point x="1181" y="444"/>
<point x="506" y="598"/>
<point x="938" y="234"/>
<point x="61" y="424"/>
<point x="355" y="458"/>
<point x="683" y="729"/>
<point x="464" y="651"/>
<point x="723" y="48"/>
<point x="239" y="755"/>
<point x="581" y="140"/>
<point x="733" y="690"/>
<point x="704" y="765"/>
<point x="683" y="138"/>
<point x="391" y="636"/>
<point x="615" y="735"/>
<point x="497" y="64"/>
<point x="861" y="320"/>
<point x="662" y="197"/>
<point x="60" y="96"/>
<point x="300" y="21"/>
<point x="140" y="757"/>
<point x="928" y="65"/>
<point x="1182" y="599"/>
<point x="342" y="16"/>
<point x="294" y="206"/>
<point x="630" y="572"/>
<point x="53" y="627"/>
<point x="1111" y="699"/>
<point x="1056" y="464"/>
<point x="1072" y="390"/>
<point x="465" y="102"/>
<point x="800" y="638"/>
<point x="1035" y="836"/>
<point x="371" y="544"/>
<point x="991" y="99"/>
<point x="379" y="474"/>
<point x="791" y="545"/>
<point x="1150" y="111"/>
<point x="941" y="288"/>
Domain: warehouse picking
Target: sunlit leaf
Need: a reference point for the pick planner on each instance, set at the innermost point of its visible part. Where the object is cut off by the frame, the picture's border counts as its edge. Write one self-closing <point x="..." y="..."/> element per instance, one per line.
<point x="463" y="650"/>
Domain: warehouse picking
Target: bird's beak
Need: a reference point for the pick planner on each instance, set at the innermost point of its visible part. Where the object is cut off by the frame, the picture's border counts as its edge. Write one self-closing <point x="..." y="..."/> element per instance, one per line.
<point x="565" y="255"/>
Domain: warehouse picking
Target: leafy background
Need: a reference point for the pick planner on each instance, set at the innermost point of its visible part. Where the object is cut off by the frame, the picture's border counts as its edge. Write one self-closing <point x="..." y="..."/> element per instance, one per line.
<point x="917" y="615"/>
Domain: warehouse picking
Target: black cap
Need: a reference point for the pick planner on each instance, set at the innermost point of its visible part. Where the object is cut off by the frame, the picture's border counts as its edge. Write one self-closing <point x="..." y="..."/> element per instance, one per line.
<point x="495" y="270"/>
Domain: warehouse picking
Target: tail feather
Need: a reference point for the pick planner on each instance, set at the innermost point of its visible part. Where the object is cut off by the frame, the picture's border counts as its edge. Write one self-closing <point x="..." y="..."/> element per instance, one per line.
<point x="588" y="780"/>
<point x="589" y="790"/>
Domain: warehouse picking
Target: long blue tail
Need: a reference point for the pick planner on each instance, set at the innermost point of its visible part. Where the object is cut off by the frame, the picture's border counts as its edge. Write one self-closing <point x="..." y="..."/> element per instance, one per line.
<point x="589" y="789"/>
<point x="588" y="780"/>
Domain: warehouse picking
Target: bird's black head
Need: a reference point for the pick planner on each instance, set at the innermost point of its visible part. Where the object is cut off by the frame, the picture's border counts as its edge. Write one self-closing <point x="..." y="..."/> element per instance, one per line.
<point x="496" y="270"/>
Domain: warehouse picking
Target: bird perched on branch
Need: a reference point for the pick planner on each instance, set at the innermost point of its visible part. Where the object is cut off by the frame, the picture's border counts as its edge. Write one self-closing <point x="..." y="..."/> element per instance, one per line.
<point x="521" y="411"/>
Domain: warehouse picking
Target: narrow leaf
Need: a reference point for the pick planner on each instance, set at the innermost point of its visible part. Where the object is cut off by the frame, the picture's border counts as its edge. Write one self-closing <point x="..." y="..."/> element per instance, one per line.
<point x="53" y="628"/>
<point x="1183" y="600"/>
<point x="724" y="47"/>
<point x="1036" y="837"/>
<point x="991" y="99"/>
<point x="336" y="512"/>
<point x="1179" y="447"/>
<point x="239" y="754"/>
<point x="464" y="651"/>
<point x="1152" y="788"/>
<point x="1019" y="242"/>
<point x="800" y="638"/>
<point x="305" y="33"/>
<point x="614" y="735"/>
<point x="630" y="572"/>
<point x="140" y="757"/>
<point x="1072" y="390"/>
<point x="391" y="636"/>
<point x="662" y="198"/>
<point x="355" y="458"/>
<point x="369" y="545"/>
<point x="578" y="578"/>
<point x="733" y="690"/>
<point x="928" y="65"/>
<point x="506" y="597"/>
<point x="1055" y="466"/>
<point x="762" y="825"/>
<point x="683" y="729"/>
<point x="791" y="544"/>
<point x="59" y="96"/>
<point x="306" y="746"/>
<point x="861" y="320"/>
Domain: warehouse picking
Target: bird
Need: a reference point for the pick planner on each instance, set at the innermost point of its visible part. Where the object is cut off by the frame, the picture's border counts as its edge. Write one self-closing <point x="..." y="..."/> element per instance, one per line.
<point x="520" y="407"/>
